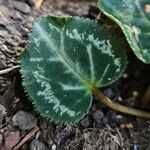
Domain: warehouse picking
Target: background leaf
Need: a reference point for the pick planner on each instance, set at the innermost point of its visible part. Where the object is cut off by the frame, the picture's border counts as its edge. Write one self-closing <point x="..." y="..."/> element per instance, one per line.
<point x="133" y="16"/>
<point x="65" y="59"/>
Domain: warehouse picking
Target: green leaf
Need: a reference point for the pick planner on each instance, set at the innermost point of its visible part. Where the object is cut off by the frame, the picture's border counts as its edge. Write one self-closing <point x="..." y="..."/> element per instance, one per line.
<point x="65" y="59"/>
<point x="133" y="16"/>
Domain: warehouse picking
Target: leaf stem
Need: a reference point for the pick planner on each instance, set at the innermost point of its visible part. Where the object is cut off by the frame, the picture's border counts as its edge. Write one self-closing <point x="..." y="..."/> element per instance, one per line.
<point x="118" y="107"/>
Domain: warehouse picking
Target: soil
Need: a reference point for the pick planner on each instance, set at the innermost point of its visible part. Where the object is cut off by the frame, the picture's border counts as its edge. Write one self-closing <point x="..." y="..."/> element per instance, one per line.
<point x="102" y="128"/>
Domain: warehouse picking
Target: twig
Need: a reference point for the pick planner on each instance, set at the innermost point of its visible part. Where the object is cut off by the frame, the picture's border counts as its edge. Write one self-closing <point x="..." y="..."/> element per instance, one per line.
<point x="38" y="3"/>
<point x="26" y="138"/>
<point x="118" y="107"/>
<point x="5" y="71"/>
<point x="121" y="138"/>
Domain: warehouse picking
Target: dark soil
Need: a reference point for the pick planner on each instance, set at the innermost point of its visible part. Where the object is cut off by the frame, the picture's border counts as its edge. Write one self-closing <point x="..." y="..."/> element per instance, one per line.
<point x="102" y="128"/>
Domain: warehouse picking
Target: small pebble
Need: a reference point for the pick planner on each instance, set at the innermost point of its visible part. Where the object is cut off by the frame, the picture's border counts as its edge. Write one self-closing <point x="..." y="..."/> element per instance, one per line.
<point x="11" y="42"/>
<point x="3" y="33"/>
<point x="24" y="146"/>
<point x="120" y="99"/>
<point x="86" y="122"/>
<point x="1" y="140"/>
<point x="37" y="135"/>
<point x="105" y="121"/>
<point x="98" y="115"/>
<point x="125" y="75"/>
<point x="11" y="139"/>
<point x="37" y="145"/>
<point x="16" y="16"/>
<point x="2" y="61"/>
<point x="54" y="147"/>
<point x="109" y="93"/>
<point x="2" y="113"/>
<point x="135" y="93"/>
<point x="24" y="120"/>
<point x="135" y="147"/>
<point x="22" y="7"/>
<point x="4" y="22"/>
<point x="63" y="135"/>
<point x="119" y="119"/>
<point x="93" y="108"/>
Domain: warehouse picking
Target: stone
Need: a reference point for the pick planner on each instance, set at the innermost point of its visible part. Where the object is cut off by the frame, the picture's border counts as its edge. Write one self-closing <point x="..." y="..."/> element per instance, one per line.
<point x="2" y="64"/>
<point x="98" y="115"/>
<point x="25" y="146"/>
<point x="6" y="50"/>
<point x="119" y="119"/>
<point x="16" y="15"/>
<point x="22" y="7"/>
<point x="105" y="121"/>
<point x="63" y="135"/>
<point x="109" y="93"/>
<point x="11" y="42"/>
<point x="3" y="33"/>
<point x="37" y="145"/>
<point x="54" y="147"/>
<point x="2" y="113"/>
<point x="1" y="140"/>
<point x="86" y="122"/>
<point x="24" y="120"/>
<point x="4" y="22"/>
<point x="11" y="139"/>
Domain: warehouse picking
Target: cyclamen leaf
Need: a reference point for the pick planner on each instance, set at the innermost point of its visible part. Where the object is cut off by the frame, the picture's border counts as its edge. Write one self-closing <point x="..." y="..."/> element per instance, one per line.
<point x="133" y="16"/>
<point x="65" y="59"/>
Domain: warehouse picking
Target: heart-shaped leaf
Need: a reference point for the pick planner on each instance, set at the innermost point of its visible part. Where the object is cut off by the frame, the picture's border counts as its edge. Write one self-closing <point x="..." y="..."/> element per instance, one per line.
<point x="133" y="16"/>
<point x="65" y="59"/>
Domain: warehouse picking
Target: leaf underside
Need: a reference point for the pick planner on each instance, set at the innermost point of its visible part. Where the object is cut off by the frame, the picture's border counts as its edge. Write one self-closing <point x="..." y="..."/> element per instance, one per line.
<point x="133" y="16"/>
<point x="65" y="59"/>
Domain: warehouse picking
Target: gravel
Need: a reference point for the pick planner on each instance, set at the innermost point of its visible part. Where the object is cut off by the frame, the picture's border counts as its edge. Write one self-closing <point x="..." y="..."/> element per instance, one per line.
<point x="11" y="139"/>
<point x="24" y="120"/>
<point x="22" y="7"/>
<point x="2" y="61"/>
<point x="86" y="122"/>
<point x="98" y="115"/>
<point x="37" y="145"/>
<point x="1" y="140"/>
<point x="2" y="113"/>
<point x="54" y="147"/>
<point x="64" y="134"/>
<point x="14" y="29"/>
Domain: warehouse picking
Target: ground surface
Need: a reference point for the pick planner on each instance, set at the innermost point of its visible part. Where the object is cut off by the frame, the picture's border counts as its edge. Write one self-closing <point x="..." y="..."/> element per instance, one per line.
<point x="101" y="128"/>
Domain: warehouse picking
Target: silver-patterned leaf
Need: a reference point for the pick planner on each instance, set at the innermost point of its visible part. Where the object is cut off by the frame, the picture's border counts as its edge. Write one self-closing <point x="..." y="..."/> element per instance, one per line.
<point x="133" y="16"/>
<point x="65" y="59"/>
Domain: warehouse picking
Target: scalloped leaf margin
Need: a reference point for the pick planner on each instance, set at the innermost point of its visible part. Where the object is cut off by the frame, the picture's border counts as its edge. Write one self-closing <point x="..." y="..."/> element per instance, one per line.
<point x="65" y="59"/>
<point x="133" y="16"/>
